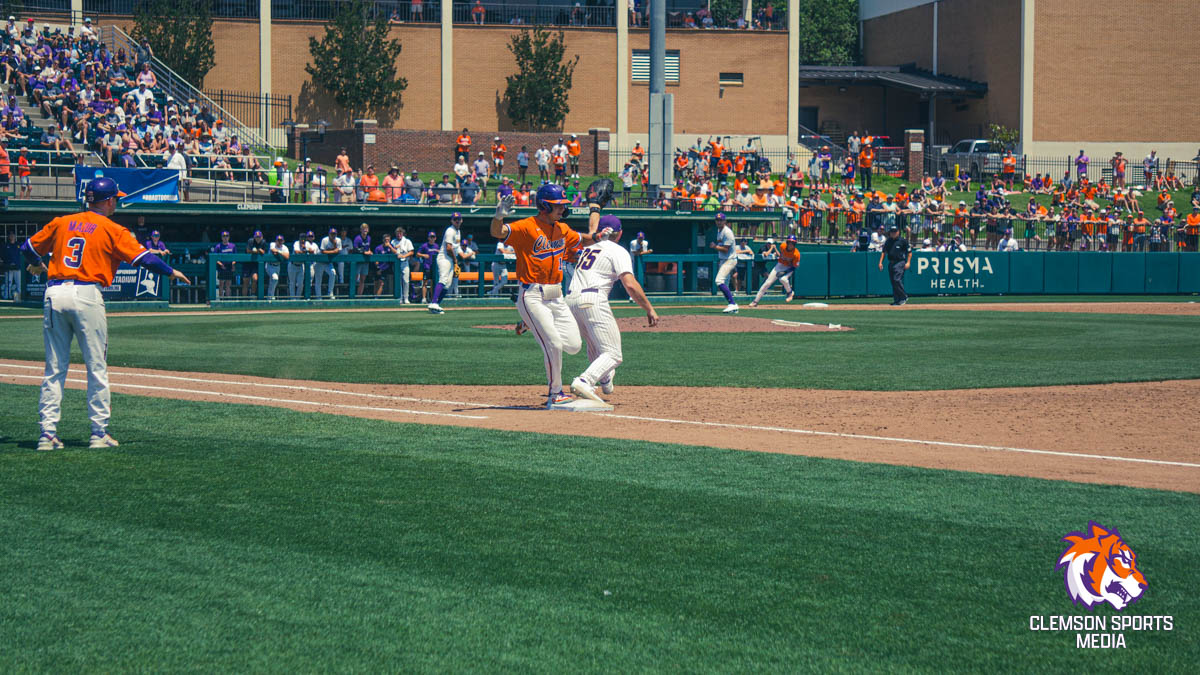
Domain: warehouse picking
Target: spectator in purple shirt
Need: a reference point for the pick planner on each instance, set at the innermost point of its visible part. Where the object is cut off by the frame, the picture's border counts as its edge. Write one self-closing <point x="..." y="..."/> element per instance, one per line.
<point x="362" y="244"/>
<point x="381" y="268"/>
<point x="156" y="245"/>
<point x="1081" y="164"/>
<point x="426" y="254"/>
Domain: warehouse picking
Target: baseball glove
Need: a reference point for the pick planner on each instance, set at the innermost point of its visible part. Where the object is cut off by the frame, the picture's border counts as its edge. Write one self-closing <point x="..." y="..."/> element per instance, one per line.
<point x="600" y="192"/>
<point x="457" y="270"/>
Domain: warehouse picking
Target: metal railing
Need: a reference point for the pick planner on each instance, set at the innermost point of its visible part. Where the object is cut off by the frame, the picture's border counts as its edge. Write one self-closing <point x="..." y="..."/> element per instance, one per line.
<point x="253" y="108"/>
<point x="172" y="84"/>
<point x="1058" y="168"/>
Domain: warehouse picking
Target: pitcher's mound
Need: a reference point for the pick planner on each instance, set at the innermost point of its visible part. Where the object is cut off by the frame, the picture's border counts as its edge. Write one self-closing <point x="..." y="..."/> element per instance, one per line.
<point x="717" y="323"/>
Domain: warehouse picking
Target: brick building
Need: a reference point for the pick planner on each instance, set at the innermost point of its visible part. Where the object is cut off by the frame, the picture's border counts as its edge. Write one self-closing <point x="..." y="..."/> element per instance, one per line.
<point x="1104" y="75"/>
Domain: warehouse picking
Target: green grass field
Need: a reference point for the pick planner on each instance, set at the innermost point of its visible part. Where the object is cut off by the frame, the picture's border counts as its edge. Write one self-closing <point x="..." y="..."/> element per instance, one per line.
<point x="923" y="350"/>
<point x="233" y="538"/>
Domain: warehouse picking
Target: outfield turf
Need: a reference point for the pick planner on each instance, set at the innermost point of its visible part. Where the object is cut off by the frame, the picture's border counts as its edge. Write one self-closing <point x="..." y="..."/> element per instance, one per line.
<point x="226" y="538"/>
<point x="888" y="350"/>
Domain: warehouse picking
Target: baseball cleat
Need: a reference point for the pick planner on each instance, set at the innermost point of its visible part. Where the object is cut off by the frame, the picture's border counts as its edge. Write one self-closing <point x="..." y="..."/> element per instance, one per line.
<point x="902" y="302"/>
<point x="606" y="386"/>
<point x="558" y="398"/>
<point x="581" y="388"/>
<point x="101" y="442"/>
<point x="49" y="442"/>
<point x="731" y="309"/>
<point x="790" y="297"/>
<point x="521" y="328"/>
<point x="753" y="305"/>
<point x="435" y="308"/>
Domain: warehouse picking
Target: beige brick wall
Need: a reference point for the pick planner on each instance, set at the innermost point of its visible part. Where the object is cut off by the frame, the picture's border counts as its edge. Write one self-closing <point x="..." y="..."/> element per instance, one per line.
<point x="902" y="37"/>
<point x="1113" y="71"/>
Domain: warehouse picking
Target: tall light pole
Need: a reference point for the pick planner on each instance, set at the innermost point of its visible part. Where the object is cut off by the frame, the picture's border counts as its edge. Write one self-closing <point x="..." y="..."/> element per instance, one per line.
<point x="662" y="109"/>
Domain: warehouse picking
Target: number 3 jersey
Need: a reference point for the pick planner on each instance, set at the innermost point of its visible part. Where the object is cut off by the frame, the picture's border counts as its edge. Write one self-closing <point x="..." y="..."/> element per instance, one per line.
<point x="87" y="247"/>
<point x="599" y="267"/>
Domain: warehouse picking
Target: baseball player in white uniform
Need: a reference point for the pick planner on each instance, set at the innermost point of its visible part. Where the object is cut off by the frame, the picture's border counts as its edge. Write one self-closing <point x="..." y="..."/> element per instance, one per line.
<point x="599" y="267"/>
<point x="726" y="249"/>
<point x="278" y="249"/>
<point x="331" y="245"/>
<point x="402" y="246"/>
<point x="451" y="239"/>
<point x="500" y="267"/>
<point x="304" y="245"/>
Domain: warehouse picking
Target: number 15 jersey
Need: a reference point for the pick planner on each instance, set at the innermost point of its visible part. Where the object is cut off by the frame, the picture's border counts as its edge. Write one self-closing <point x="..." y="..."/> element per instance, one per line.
<point x="87" y="247"/>
<point x="599" y="267"/>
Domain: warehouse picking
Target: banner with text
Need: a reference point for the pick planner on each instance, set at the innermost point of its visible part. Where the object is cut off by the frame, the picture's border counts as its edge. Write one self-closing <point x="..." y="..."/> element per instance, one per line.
<point x="141" y="186"/>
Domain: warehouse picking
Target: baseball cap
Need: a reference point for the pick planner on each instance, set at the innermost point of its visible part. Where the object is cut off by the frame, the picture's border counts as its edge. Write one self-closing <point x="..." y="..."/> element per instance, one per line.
<point x="927" y="242"/>
<point x="309" y="234"/>
<point x="224" y="233"/>
<point x="432" y="234"/>
<point x="257" y="233"/>
<point x="333" y="230"/>
<point x="720" y="216"/>
<point x="610" y="221"/>
<point x="893" y="228"/>
<point x="791" y="237"/>
<point x="641" y="234"/>
<point x="154" y="233"/>
<point x="279" y="237"/>
<point x="497" y="138"/>
<point x="456" y="216"/>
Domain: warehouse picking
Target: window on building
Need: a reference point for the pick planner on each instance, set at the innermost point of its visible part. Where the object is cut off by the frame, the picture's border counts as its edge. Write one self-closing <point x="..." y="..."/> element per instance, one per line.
<point x="729" y="79"/>
<point x="641" y="66"/>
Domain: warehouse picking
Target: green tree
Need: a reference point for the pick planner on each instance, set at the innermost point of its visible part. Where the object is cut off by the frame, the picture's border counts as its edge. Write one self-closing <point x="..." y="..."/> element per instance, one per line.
<point x="537" y="94"/>
<point x="356" y="61"/>
<point x="1004" y="136"/>
<point x="180" y="34"/>
<point x="828" y="28"/>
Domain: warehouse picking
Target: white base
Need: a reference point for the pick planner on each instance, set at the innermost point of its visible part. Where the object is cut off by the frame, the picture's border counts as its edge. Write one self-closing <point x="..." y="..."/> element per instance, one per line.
<point x="816" y="305"/>
<point x="583" y="405"/>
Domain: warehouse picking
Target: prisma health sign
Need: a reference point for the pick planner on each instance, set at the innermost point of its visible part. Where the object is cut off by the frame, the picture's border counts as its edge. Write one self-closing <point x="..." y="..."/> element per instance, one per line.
<point x="950" y="273"/>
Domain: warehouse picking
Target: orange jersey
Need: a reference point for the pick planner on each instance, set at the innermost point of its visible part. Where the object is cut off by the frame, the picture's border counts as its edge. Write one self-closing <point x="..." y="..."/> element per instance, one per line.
<point x="1009" y="164"/>
<point x="1193" y="224"/>
<point x="865" y="157"/>
<point x="498" y="151"/>
<point x="540" y="250"/>
<point x="789" y="255"/>
<point x="464" y="142"/>
<point x="86" y="247"/>
<point x="681" y="162"/>
<point x="574" y="148"/>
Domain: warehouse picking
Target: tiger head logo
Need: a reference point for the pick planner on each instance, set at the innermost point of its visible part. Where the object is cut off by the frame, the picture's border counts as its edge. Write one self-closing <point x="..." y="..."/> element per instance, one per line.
<point x="1100" y="567"/>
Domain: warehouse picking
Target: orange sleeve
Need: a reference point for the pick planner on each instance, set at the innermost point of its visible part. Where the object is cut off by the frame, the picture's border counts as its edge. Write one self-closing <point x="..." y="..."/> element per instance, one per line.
<point x="518" y="236"/>
<point x="571" y="238"/>
<point x="43" y="240"/>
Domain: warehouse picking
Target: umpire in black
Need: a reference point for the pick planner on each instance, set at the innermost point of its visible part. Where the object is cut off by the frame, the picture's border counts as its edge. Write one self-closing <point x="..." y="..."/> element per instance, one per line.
<point x="899" y="255"/>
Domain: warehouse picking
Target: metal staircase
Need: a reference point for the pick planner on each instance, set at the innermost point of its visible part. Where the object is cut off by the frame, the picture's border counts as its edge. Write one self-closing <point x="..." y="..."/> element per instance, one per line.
<point x="181" y="90"/>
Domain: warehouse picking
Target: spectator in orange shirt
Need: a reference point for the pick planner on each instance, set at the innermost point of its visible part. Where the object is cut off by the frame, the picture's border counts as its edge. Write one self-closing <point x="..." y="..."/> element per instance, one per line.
<point x="478" y="12"/>
<point x="1008" y="170"/>
<point x="393" y="184"/>
<point x="499" y="149"/>
<point x="23" y="172"/>
<point x="574" y="149"/>
<point x="639" y="154"/>
<point x="866" y="157"/>
<point x="1191" y="230"/>
<point x="462" y="145"/>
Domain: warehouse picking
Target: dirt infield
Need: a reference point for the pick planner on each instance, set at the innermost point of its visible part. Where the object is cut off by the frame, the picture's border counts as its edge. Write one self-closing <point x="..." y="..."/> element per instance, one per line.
<point x="1095" y="434"/>
<point x="712" y="323"/>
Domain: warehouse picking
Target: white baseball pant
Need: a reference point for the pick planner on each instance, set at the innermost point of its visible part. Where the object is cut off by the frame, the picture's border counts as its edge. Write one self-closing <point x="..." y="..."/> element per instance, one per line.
<point x="320" y="271"/>
<point x="12" y="284"/>
<point x="272" y="270"/>
<point x="296" y="279"/>
<point x="726" y="269"/>
<point x="596" y="321"/>
<point x="542" y="309"/>
<point x="781" y="273"/>
<point x="402" y="279"/>
<point x="73" y="310"/>
<point x="499" y="278"/>
<point x="445" y="270"/>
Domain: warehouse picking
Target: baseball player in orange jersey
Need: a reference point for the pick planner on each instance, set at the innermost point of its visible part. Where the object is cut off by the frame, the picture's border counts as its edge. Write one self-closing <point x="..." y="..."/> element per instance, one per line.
<point x="540" y="243"/>
<point x="789" y="258"/>
<point x="85" y="250"/>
